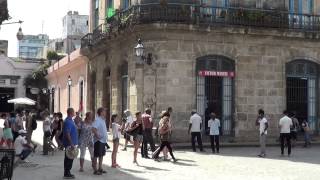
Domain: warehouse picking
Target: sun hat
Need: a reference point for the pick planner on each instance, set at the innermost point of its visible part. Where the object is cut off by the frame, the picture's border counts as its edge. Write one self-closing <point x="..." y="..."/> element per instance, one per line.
<point x="72" y="152"/>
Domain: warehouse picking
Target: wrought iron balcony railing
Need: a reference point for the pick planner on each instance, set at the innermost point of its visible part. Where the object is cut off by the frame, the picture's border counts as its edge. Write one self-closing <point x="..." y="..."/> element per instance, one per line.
<point x="178" y="13"/>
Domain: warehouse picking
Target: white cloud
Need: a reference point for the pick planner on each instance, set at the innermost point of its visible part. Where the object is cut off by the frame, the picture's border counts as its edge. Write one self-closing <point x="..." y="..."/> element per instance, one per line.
<point x="36" y="12"/>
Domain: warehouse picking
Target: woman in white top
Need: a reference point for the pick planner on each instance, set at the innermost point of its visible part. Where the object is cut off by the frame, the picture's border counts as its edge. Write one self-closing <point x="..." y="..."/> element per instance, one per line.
<point x="116" y="132"/>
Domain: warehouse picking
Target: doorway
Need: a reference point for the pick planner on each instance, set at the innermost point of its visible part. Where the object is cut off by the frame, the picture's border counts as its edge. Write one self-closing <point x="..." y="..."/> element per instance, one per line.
<point x="302" y="85"/>
<point x="215" y="90"/>
<point x="297" y="97"/>
<point x="5" y="95"/>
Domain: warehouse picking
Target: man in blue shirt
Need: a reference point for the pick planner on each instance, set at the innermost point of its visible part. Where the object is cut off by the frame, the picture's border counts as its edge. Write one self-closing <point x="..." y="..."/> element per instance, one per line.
<point x="70" y="139"/>
<point x="100" y="139"/>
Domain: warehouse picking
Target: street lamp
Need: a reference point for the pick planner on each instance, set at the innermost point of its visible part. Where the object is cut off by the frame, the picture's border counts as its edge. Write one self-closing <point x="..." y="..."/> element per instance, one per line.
<point x="69" y="90"/>
<point x="139" y="49"/>
<point x="19" y="33"/>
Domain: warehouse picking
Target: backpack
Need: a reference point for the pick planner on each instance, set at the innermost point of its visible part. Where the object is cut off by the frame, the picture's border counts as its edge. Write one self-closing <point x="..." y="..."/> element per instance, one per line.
<point x="34" y="123"/>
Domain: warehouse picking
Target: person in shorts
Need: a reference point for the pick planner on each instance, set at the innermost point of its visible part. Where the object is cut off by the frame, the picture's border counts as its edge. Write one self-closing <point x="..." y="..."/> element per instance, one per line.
<point x="127" y="125"/>
<point x="116" y="129"/>
<point x="100" y="140"/>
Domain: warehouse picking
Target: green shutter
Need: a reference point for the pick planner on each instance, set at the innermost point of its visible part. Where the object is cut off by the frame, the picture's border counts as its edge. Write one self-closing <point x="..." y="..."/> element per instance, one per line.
<point x="110" y="12"/>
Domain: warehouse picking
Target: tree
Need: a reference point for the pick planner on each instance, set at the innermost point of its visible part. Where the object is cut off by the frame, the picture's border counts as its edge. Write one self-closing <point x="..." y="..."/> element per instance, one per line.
<point x="37" y="79"/>
<point x="52" y="55"/>
<point x="4" y="15"/>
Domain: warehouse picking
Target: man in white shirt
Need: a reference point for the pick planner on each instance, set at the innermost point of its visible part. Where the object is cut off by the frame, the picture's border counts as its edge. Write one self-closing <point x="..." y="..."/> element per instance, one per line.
<point x="285" y="124"/>
<point x="23" y="149"/>
<point x="214" y="125"/>
<point x="195" y="128"/>
<point x="262" y="122"/>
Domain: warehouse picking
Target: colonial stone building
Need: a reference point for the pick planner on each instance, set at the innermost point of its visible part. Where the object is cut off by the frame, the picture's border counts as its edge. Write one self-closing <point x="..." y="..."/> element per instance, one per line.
<point x="228" y="57"/>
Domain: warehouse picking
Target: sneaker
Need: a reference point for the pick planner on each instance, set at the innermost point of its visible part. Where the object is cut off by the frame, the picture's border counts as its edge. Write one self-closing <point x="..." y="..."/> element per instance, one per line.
<point x="175" y="160"/>
<point x="69" y="176"/>
<point x="97" y="173"/>
<point x="124" y="149"/>
<point x="102" y="171"/>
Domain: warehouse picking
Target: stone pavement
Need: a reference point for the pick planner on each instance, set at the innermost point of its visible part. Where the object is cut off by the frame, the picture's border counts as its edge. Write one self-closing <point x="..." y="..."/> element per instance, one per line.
<point x="232" y="163"/>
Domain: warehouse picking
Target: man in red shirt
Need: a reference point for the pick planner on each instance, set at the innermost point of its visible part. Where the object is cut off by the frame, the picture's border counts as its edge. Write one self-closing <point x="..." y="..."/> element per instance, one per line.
<point x="147" y="133"/>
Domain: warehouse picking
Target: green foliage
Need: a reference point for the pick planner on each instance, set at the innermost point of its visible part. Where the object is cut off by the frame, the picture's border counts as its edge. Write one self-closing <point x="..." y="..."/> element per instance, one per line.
<point x="52" y="55"/>
<point x="37" y="77"/>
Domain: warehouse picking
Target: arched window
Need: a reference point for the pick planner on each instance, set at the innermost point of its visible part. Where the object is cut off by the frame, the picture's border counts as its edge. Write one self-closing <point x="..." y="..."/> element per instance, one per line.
<point x="215" y="86"/>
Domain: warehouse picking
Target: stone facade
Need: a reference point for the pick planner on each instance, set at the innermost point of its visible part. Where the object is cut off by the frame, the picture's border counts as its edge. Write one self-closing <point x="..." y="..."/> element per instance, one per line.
<point x="260" y="82"/>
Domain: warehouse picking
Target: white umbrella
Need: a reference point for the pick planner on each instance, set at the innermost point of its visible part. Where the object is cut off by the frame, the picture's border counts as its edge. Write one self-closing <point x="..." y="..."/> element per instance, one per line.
<point x="24" y="100"/>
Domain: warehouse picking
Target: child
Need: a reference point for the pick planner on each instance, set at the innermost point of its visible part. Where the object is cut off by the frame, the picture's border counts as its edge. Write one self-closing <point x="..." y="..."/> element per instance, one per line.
<point x="306" y="129"/>
<point x="116" y="130"/>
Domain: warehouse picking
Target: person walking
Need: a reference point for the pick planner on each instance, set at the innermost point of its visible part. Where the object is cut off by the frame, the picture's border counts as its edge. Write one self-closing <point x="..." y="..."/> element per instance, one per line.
<point x="86" y="139"/>
<point x="294" y="128"/>
<point x="70" y="140"/>
<point x="195" y="128"/>
<point x="284" y="124"/>
<point x="164" y="131"/>
<point x="100" y="140"/>
<point x="214" y="132"/>
<point x="136" y="130"/>
<point x="127" y="125"/>
<point x="306" y="132"/>
<point x="116" y="129"/>
<point x="262" y="122"/>
<point x="147" y="134"/>
<point x="30" y="127"/>
<point x="46" y="133"/>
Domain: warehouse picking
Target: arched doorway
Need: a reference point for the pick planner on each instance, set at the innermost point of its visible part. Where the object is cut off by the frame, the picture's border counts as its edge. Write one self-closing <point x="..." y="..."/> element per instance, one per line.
<point x="302" y="85"/>
<point x="215" y="90"/>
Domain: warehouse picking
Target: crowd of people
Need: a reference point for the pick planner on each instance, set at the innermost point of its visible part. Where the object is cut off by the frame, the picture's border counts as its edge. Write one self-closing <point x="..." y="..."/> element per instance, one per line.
<point x="92" y="134"/>
<point x="17" y="132"/>
<point x="74" y="134"/>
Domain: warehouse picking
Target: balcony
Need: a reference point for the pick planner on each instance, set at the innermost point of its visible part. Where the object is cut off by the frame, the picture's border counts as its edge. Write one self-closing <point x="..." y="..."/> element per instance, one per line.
<point x="201" y="15"/>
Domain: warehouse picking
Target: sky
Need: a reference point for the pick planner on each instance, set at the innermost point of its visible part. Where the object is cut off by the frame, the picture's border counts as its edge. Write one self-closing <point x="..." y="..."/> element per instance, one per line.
<point x="36" y="13"/>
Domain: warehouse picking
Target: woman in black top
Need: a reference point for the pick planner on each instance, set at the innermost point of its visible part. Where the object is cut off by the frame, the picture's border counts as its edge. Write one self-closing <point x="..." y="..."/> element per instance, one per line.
<point x="137" y="130"/>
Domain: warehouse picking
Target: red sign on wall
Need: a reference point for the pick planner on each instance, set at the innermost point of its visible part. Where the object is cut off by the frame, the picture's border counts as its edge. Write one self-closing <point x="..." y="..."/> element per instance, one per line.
<point x="217" y="73"/>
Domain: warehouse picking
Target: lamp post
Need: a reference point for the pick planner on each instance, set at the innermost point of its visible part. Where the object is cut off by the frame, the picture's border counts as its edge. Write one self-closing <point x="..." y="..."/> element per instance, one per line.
<point x="48" y="91"/>
<point x="139" y="49"/>
<point x="19" y="33"/>
<point x="69" y="90"/>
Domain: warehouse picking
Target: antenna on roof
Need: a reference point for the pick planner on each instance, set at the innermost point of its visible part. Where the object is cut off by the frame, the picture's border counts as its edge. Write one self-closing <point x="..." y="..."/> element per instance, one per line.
<point x="42" y="26"/>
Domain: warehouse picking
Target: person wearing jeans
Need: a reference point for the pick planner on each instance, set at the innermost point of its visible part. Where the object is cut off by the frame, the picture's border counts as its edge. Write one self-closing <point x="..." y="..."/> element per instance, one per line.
<point x="195" y="128"/>
<point x="214" y="125"/>
<point x="70" y="139"/>
<point x="285" y="124"/>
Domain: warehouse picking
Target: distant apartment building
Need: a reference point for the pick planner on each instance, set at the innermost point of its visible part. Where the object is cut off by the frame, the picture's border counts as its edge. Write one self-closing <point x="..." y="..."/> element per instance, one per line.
<point x="56" y="45"/>
<point x="74" y="27"/>
<point x="32" y="46"/>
